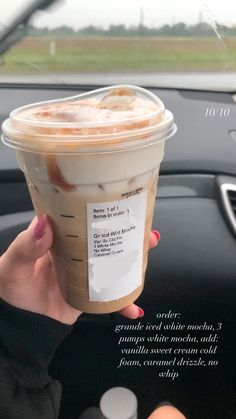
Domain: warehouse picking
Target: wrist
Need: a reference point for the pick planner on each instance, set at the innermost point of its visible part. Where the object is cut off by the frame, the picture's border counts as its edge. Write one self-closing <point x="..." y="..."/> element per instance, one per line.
<point x="28" y="342"/>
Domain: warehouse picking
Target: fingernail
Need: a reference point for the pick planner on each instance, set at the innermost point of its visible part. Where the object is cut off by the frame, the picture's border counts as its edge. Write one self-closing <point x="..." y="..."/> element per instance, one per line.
<point x="165" y="403"/>
<point x="40" y="227"/>
<point x="157" y="234"/>
<point x="140" y="312"/>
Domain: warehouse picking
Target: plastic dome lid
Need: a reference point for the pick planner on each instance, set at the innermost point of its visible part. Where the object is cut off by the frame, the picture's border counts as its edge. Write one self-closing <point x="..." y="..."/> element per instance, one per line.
<point x="114" y="117"/>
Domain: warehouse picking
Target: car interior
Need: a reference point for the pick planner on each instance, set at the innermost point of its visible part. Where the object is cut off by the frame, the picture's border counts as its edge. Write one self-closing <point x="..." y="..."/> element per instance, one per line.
<point x="191" y="272"/>
<point x="182" y="350"/>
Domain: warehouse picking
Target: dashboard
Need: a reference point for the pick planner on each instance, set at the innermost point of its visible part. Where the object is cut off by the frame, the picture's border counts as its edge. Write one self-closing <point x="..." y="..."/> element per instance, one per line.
<point x="193" y="270"/>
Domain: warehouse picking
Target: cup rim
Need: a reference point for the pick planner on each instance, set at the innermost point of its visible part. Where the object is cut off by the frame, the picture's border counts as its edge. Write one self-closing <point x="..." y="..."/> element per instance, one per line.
<point x="75" y="142"/>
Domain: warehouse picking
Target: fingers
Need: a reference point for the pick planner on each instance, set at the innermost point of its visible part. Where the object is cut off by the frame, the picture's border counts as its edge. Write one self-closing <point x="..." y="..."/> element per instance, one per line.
<point x="31" y="243"/>
<point x="132" y="312"/>
<point x="166" y="412"/>
<point x="154" y="238"/>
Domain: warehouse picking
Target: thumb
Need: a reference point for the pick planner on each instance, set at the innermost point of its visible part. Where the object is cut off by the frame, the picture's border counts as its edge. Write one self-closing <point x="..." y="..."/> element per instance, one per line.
<point x="31" y="243"/>
<point x="166" y="412"/>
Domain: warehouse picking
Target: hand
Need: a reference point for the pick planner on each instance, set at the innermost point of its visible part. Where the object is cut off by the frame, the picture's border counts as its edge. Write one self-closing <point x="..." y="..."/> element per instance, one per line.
<point x="167" y="411"/>
<point x="28" y="278"/>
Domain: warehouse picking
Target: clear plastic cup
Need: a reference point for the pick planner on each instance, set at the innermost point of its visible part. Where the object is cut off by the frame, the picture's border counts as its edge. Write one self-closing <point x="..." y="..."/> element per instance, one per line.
<point x="91" y="163"/>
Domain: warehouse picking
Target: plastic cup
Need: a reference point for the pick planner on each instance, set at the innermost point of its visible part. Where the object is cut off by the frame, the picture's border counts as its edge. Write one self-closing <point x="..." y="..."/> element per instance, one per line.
<point x="91" y="163"/>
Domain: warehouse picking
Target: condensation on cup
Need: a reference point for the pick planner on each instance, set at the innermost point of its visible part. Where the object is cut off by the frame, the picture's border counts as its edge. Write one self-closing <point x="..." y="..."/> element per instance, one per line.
<point x="91" y="163"/>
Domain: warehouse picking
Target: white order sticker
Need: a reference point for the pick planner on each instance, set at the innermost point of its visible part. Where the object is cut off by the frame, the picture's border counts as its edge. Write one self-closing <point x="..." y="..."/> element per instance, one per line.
<point x="115" y="247"/>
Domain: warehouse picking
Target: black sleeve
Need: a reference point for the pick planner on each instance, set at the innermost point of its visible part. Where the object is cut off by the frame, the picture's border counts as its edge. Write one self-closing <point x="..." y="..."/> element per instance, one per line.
<point x="27" y="344"/>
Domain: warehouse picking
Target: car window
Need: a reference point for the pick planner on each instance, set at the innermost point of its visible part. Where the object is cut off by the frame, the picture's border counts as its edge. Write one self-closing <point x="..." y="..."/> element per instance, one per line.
<point x="175" y="44"/>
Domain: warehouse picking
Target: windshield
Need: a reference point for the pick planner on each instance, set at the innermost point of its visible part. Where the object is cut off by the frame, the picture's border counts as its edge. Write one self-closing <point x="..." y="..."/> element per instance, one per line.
<point x="188" y="44"/>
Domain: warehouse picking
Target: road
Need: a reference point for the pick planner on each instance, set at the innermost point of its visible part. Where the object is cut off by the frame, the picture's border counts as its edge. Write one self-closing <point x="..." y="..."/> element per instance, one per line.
<point x="210" y="81"/>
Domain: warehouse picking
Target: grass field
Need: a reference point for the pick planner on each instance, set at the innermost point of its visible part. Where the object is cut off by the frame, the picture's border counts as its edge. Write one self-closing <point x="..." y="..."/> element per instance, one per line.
<point x="32" y="55"/>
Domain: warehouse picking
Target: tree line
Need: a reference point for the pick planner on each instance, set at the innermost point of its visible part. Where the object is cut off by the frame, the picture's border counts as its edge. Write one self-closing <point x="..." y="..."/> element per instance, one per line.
<point x="180" y="29"/>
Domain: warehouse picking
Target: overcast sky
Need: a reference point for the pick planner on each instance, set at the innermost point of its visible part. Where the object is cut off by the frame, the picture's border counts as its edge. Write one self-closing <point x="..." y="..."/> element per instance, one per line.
<point x="79" y="13"/>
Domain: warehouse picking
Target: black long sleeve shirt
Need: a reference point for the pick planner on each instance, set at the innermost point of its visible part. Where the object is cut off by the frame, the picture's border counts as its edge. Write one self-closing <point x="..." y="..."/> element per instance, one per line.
<point x="27" y="344"/>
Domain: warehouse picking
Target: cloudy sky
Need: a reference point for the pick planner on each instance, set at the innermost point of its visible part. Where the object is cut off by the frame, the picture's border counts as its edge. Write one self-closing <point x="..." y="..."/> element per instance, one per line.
<point x="79" y="13"/>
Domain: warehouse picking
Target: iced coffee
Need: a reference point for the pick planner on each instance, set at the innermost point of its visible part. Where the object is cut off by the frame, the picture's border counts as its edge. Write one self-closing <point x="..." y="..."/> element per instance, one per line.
<point x="91" y="163"/>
